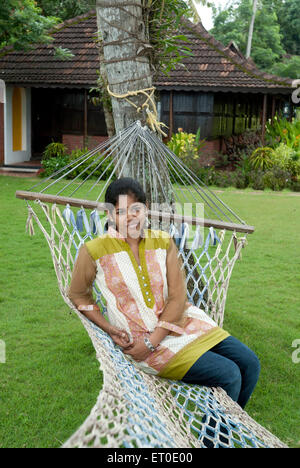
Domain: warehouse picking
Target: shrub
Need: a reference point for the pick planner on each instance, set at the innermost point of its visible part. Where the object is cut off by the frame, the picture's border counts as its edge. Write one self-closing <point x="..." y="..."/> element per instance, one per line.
<point x="242" y="144"/>
<point x="186" y="145"/>
<point x="224" y="179"/>
<point x="277" y="179"/>
<point x="256" y="180"/>
<point x="243" y="169"/>
<point x="241" y="179"/>
<point x="295" y="186"/>
<point x="287" y="158"/>
<point x="89" y="168"/>
<point x="55" y="158"/>
<point x="262" y="158"/>
<point x="282" y="130"/>
<point x="52" y="165"/>
<point x="53" y="150"/>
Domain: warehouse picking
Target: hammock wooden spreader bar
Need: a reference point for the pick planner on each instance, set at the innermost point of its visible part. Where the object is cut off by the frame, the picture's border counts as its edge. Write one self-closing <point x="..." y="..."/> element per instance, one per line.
<point x="89" y="204"/>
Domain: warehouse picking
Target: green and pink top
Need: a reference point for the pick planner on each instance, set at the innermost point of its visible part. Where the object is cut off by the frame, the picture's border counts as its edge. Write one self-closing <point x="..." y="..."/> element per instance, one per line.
<point x="136" y="296"/>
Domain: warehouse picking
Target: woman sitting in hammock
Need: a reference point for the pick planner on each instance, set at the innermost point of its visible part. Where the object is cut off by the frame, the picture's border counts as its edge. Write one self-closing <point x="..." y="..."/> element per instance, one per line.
<point x="140" y="276"/>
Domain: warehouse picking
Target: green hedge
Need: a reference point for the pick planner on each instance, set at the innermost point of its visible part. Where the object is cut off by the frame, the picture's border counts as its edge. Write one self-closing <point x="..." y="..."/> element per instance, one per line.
<point x="93" y="167"/>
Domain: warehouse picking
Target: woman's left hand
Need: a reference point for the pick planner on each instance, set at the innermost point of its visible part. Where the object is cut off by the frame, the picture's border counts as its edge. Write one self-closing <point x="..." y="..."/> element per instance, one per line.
<point x="138" y="351"/>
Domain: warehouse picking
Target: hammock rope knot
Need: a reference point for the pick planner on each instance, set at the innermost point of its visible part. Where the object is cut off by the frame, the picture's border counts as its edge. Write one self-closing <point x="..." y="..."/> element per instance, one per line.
<point x="152" y="115"/>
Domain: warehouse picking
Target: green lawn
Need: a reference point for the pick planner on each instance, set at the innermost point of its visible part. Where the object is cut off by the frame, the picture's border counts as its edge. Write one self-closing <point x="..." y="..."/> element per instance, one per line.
<point x="51" y="378"/>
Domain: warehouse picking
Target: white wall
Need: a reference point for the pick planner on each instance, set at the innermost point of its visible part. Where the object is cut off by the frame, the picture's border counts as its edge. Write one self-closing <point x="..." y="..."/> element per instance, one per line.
<point x="11" y="156"/>
<point x="2" y="91"/>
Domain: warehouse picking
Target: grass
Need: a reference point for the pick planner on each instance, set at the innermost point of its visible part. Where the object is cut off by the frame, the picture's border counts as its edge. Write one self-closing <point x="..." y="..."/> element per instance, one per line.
<point x="51" y="378"/>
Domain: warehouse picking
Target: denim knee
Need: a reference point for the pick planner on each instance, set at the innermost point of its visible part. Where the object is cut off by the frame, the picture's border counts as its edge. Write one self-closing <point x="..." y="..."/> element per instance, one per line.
<point x="253" y="366"/>
<point x="233" y="382"/>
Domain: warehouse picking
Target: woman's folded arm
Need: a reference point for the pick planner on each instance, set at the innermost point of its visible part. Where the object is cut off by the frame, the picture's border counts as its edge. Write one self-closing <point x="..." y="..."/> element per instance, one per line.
<point x="81" y="288"/>
<point x="84" y="273"/>
<point x="171" y="318"/>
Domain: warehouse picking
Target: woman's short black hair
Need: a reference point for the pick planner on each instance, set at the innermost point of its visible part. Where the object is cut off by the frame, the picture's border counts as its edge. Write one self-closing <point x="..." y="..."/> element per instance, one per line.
<point x="124" y="186"/>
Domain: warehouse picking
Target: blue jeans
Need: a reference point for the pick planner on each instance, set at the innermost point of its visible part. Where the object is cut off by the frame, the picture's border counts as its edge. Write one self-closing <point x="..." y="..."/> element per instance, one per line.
<point x="230" y="365"/>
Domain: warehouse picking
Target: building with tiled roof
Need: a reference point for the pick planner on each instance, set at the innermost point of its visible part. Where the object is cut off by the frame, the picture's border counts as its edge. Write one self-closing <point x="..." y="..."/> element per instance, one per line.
<point x="46" y="97"/>
<point x="216" y="67"/>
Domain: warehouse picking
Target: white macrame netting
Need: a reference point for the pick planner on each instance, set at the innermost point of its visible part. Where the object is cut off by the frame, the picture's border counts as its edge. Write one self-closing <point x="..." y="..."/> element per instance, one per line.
<point x="135" y="409"/>
<point x="138" y="410"/>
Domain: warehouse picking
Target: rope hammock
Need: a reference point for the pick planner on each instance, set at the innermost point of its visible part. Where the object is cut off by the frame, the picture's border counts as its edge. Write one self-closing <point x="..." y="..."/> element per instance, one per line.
<point x="135" y="409"/>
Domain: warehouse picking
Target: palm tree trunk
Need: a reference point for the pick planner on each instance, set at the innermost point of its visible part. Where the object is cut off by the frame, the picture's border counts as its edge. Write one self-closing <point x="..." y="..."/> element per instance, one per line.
<point x="122" y="31"/>
<point x="251" y="27"/>
<point x="127" y="67"/>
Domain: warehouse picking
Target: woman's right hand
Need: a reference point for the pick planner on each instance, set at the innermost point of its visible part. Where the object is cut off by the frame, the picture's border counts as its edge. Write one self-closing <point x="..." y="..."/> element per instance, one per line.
<point x="119" y="337"/>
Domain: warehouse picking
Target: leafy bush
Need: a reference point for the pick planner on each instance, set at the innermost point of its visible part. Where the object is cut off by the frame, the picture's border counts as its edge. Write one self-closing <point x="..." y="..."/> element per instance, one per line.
<point x="93" y="167"/>
<point x="224" y="179"/>
<point x="284" y="131"/>
<point x="241" y="179"/>
<point x="277" y="179"/>
<point x="53" y="150"/>
<point x="295" y="186"/>
<point x="186" y="145"/>
<point x="262" y="158"/>
<point x="55" y="158"/>
<point x="283" y="157"/>
<point x="243" y="170"/>
<point x="256" y="180"/>
<point x="52" y="165"/>
<point x="242" y="144"/>
<point x="287" y="158"/>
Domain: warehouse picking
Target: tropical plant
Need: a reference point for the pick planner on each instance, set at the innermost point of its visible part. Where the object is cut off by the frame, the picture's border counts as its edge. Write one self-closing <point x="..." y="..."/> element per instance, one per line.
<point x="53" y="164"/>
<point x="186" y="145"/>
<point x="54" y="149"/>
<point x="262" y="158"/>
<point x="162" y="20"/>
<point x="94" y="167"/>
<point x="243" y="168"/>
<point x="286" y="158"/>
<point x="283" y="130"/>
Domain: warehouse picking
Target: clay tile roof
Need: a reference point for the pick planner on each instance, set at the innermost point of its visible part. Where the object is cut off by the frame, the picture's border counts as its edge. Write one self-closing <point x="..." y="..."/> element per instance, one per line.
<point x="40" y="67"/>
<point x="216" y="67"/>
<point x="213" y="67"/>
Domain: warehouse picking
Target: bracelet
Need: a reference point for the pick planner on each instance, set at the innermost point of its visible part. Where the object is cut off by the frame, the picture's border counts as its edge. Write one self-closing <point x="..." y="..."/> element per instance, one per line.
<point x="87" y="308"/>
<point x="149" y="344"/>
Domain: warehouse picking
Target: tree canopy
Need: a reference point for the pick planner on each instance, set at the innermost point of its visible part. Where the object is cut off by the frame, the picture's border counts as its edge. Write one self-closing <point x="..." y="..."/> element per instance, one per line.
<point x="65" y="9"/>
<point x="275" y="36"/>
<point x="22" y="23"/>
<point x="275" y="45"/>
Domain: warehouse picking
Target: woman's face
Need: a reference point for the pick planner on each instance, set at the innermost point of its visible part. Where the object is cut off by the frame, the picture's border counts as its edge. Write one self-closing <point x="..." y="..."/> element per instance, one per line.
<point x="129" y="216"/>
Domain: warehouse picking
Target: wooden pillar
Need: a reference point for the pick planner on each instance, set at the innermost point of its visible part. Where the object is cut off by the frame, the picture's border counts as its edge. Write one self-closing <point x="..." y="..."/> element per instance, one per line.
<point x="250" y="115"/>
<point x="171" y="122"/>
<point x="2" y="110"/>
<point x="264" y="119"/>
<point x="1" y="133"/>
<point x="273" y="108"/>
<point x="85" y="111"/>
<point x="234" y="115"/>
